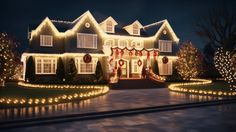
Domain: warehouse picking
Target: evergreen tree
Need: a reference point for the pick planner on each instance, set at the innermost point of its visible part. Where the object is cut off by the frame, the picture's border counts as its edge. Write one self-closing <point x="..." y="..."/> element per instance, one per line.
<point x="155" y="68"/>
<point x="72" y="71"/>
<point x="99" y="72"/>
<point x="30" y="69"/>
<point x="60" y="72"/>
<point x="189" y="62"/>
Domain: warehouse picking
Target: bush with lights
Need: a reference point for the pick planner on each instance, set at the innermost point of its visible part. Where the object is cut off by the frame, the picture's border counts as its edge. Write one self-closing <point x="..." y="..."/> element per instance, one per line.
<point x="225" y="64"/>
<point x="7" y="57"/>
<point x="189" y="62"/>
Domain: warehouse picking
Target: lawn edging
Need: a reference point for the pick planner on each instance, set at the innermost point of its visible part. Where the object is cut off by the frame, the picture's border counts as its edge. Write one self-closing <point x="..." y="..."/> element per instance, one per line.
<point x="177" y="87"/>
<point x="96" y="90"/>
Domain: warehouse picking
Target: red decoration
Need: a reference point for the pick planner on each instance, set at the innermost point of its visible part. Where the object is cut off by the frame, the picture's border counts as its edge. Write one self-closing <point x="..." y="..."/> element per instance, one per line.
<point x="110" y="60"/>
<point x="148" y="54"/>
<point x="87" y="58"/>
<point x="130" y="53"/>
<point x="117" y="53"/>
<point x="139" y="62"/>
<point x="136" y="53"/>
<point x="121" y="62"/>
<point x="165" y="60"/>
<point x="122" y="52"/>
<point x="140" y="53"/>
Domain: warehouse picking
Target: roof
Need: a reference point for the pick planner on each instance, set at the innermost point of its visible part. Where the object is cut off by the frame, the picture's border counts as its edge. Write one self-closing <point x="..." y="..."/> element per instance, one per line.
<point x="145" y="31"/>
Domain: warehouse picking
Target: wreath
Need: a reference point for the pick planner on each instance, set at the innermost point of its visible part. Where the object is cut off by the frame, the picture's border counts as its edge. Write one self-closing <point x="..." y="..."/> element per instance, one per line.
<point x="87" y="58"/>
<point x="121" y="62"/>
<point x="139" y="62"/>
<point x="165" y="60"/>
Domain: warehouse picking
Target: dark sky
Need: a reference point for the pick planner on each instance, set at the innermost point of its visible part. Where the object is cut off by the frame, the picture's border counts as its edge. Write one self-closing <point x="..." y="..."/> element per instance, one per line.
<point x="16" y="15"/>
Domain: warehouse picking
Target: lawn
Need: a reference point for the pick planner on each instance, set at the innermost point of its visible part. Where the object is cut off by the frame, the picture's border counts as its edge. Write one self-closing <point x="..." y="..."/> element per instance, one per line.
<point x="12" y="90"/>
<point x="215" y="86"/>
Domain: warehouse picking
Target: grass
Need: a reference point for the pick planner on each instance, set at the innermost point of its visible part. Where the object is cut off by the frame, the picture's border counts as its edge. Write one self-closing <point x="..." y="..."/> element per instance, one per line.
<point x="12" y="90"/>
<point x="215" y="86"/>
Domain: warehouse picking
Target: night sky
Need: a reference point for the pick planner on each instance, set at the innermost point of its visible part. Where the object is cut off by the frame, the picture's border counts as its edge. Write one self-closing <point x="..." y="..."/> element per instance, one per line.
<point x="16" y="15"/>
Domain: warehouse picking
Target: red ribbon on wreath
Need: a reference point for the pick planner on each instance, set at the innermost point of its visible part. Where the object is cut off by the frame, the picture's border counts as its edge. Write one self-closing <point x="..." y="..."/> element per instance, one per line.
<point x="139" y="62"/>
<point x="165" y="60"/>
<point x="121" y="62"/>
<point x="87" y="58"/>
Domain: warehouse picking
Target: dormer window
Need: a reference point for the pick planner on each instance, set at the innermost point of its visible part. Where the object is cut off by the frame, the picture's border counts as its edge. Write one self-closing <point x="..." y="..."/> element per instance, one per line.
<point x="165" y="45"/>
<point x="46" y="40"/>
<point x="109" y="26"/>
<point x="135" y="29"/>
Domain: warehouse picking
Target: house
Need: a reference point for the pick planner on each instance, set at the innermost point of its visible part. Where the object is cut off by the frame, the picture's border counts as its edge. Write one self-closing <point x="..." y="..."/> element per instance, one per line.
<point x="88" y="39"/>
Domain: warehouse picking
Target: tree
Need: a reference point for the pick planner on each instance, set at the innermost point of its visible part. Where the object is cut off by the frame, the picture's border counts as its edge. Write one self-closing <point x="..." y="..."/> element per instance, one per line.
<point x="99" y="72"/>
<point x="60" y="72"/>
<point x="189" y="62"/>
<point x="30" y="69"/>
<point x="119" y="72"/>
<point x="225" y="64"/>
<point x="72" y="71"/>
<point x="143" y="72"/>
<point x="155" y="68"/>
<point x="7" y="57"/>
<point x="217" y="29"/>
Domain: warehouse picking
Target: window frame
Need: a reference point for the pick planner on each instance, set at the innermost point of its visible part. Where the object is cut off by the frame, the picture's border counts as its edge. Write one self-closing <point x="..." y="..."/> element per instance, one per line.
<point x="169" y="66"/>
<point x="119" y="42"/>
<point x="139" y="68"/>
<point x="44" y="39"/>
<point x="95" y="39"/>
<point x="163" y="43"/>
<point x="42" y="64"/>
<point x="135" y="43"/>
<point x="78" y="65"/>
<point x="109" y="26"/>
<point x="135" y="27"/>
<point x="111" y="45"/>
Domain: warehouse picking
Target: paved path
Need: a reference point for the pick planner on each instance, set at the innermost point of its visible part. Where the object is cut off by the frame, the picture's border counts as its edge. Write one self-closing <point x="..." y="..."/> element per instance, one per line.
<point x="221" y="118"/>
<point x="116" y="99"/>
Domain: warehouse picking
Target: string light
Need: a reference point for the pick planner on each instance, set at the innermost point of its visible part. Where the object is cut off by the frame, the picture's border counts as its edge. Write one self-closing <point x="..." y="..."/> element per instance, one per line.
<point x="223" y="63"/>
<point x="96" y="91"/>
<point x="177" y="88"/>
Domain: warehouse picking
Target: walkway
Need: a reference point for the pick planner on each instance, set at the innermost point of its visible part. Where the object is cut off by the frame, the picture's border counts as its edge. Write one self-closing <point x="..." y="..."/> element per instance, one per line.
<point x="116" y="99"/>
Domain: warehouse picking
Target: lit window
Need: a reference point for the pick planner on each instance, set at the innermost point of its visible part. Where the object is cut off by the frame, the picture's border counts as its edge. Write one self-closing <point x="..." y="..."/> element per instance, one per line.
<point x="135" y="67"/>
<point x="109" y="26"/>
<point x="165" y="46"/>
<point x="86" y="40"/>
<point x="45" y="65"/>
<point x="165" y="69"/>
<point x="109" y="43"/>
<point x="46" y="40"/>
<point x="137" y="44"/>
<point x="123" y="43"/>
<point x="135" y="29"/>
<point x="86" y="68"/>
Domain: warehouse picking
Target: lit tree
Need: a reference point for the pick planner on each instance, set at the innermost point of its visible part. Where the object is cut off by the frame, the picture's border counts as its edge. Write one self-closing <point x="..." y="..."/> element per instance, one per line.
<point x="189" y="62"/>
<point x="7" y="57"/>
<point x="225" y="64"/>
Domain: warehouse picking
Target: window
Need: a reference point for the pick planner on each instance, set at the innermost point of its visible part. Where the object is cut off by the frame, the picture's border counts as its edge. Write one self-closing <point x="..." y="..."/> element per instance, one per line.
<point x="165" y="69"/>
<point x="135" y="29"/>
<point x="165" y="45"/>
<point x="109" y="26"/>
<point x="135" y="67"/>
<point x="86" y="68"/>
<point x="86" y="40"/>
<point x="46" y="40"/>
<point x="123" y="43"/>
<point x="137" y="44"/>
<point x="45" y="65"/>
<point x="109" y="43"/>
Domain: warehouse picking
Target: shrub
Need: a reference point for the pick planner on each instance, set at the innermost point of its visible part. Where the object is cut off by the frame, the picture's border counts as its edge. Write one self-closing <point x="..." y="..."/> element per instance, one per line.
<point x="155" y="68"/>
<point x="99" y="72"/>
<point x="60" y="72"/>
<point x="30" y="69"/>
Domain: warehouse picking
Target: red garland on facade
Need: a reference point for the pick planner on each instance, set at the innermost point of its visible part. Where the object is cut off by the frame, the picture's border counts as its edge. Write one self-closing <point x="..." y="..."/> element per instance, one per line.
<point x="121" y="62"/>
<point x="87" y="58"/>
<point x="139" y="63"/>
<point x="165" y="60"/>
<point x="120" y="51"/>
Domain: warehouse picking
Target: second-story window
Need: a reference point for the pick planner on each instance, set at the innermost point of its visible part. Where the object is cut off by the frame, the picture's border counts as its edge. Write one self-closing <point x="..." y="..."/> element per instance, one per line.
<point x="109" y="26"/>
<point x="135" y="29"/>
<point x="46" y="40"/>
<point x="165" y="45"/>
<point x="122" y="43"/>
<point x="85" y="40"/>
